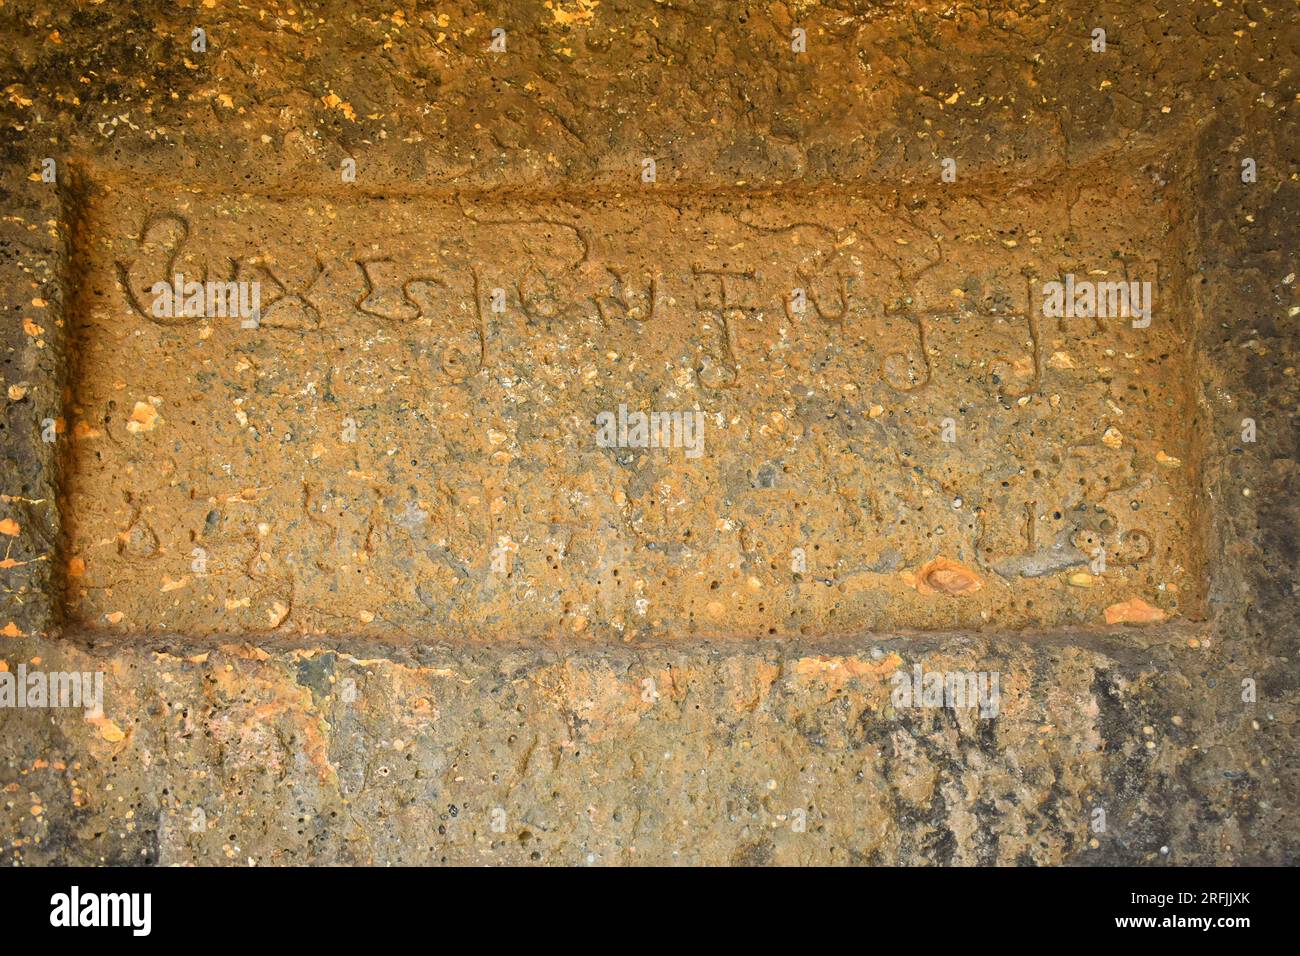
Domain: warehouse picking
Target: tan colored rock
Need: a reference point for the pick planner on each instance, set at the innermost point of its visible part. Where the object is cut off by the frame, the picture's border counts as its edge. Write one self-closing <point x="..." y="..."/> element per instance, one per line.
<point x="944" y="576"/>
<point x="144" y="418"/>
<point x="1134" y="611"/>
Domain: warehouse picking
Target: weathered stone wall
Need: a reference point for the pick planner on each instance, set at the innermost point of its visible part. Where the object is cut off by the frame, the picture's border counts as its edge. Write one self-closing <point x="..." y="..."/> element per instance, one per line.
<point x="235" y="732"/>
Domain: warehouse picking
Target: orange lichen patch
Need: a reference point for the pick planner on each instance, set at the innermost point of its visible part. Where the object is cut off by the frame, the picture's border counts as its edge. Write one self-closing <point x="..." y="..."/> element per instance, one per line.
<point x="11" y="630"/>
<point x="582" y="11"/>
<point x="944" y="576"/>
<point x="1134" y="611"/>
<point x="249" y="728"/>
<point x="83" y="430"/>
<point x="31" y="328"/>
<point x="108" y="729"/>
<point x="10" y="527"/>
<point x="76" y="567"/>
<point x="835" y="672"/>
<point x="850" y="666"/>
<point x="15" y="92"/>
<point x="144" y="418"/>
<point x="335" y="102"/>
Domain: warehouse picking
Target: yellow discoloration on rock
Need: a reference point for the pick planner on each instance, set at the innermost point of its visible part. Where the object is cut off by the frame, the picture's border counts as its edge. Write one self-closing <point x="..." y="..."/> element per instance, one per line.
<point x="577" y="12"/>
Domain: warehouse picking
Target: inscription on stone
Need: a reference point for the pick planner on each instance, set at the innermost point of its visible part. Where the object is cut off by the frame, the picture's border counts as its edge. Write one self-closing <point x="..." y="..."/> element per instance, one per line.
<point x="403" y="441"/>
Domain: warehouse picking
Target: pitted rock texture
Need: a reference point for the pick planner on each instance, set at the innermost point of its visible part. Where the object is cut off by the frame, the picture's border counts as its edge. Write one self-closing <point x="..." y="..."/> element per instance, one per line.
<point x="408" y="435"/>
<point x="778" y="755"/>
<point x="282" y="708"/>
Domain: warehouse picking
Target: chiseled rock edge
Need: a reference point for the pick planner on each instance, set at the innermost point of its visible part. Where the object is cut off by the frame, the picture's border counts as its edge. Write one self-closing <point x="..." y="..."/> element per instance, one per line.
<point x="680" y="754"/>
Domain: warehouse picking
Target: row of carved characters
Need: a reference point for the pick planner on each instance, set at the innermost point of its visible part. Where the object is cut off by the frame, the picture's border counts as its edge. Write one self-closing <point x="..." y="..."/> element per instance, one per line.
<point x="615" y="292"/>
<point x="285" y="301"/>
<point x="462" y="305"/>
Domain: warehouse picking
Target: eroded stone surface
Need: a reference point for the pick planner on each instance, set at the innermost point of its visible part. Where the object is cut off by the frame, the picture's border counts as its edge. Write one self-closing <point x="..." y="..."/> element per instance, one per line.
<point x="410" y="762"/>
<point x="777" y="755"/>
<point x="411" y="436"/>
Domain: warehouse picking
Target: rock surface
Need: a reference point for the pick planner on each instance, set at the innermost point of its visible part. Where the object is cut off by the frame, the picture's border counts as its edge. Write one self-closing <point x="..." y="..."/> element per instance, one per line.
<point x="365" y="587"/>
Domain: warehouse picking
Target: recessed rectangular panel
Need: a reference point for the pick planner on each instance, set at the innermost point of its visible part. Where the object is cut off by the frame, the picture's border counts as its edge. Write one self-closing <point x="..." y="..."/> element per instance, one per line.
<point x="660" y="414"/>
